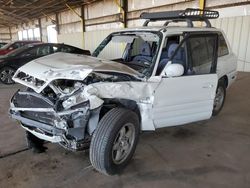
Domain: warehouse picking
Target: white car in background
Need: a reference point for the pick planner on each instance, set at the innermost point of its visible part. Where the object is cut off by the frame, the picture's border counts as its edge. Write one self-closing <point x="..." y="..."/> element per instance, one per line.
<point x="136" y="80"/>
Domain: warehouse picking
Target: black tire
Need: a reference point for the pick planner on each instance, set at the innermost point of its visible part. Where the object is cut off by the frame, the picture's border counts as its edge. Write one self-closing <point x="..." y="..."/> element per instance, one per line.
<point x="219" y="100"/>
<point x="6" y="74"/>
<point x="34" y="143"/>
<point x="107" y="135"/>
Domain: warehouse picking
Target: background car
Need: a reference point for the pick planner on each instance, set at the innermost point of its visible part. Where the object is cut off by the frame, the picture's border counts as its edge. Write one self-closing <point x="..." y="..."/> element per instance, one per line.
<point x="12" y="61"/>
<point x="14" y="45"/>
<point x="2" y="44"/>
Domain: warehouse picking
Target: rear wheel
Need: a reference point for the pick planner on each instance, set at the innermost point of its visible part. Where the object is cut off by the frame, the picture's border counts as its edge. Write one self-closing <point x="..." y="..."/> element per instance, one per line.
<point x="114" y="141"/>
<point x="219" y="97"/>
<point x="6" y="74"/>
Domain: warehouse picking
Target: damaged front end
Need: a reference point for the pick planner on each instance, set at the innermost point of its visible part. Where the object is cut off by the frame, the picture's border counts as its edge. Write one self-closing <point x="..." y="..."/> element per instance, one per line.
<point x="61" y="113"/>
<point x="65" y="111"/>
<point x="64" y="99"/>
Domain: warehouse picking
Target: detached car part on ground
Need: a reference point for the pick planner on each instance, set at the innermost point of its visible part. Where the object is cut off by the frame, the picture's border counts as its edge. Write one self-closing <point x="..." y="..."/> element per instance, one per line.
<point x="163" y="76"/>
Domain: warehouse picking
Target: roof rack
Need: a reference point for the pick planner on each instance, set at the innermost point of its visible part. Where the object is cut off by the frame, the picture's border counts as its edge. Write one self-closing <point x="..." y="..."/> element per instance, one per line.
<point x="188" y="15"/>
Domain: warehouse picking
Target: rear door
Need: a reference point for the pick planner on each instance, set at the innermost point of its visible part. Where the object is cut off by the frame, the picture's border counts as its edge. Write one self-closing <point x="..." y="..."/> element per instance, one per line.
<point x="190" y="97"/>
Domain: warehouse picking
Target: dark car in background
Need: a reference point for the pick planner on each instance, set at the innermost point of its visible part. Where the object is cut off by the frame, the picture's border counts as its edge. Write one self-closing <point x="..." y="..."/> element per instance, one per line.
<point x="14" y="45"/>
<point x="12" y="61"/>
<point x="2" y="44"/>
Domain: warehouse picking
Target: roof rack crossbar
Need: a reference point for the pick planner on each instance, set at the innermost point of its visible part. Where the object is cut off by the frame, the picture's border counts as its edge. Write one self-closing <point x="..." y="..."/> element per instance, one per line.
<point x="189" y="15"/>
<point x="189" y="22"/>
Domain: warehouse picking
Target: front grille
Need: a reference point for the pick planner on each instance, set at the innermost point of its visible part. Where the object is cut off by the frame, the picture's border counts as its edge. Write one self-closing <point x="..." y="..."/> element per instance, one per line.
<point x="34" y="100"/>
<point x="31" y="100"/>
<point x="42" y="117"/>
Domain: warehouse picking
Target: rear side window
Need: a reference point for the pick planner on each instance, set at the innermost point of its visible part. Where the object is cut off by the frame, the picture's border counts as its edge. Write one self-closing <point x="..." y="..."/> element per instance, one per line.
<point x="67" y="49"/>
<point x="202" y="53"/>
<point x="44" y="50"/>
<point x="222" y="46"/>
<point x="40" y="51"/>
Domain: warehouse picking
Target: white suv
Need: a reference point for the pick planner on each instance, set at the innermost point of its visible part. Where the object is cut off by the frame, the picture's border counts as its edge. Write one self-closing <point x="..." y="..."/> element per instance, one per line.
<point x="136" y="80"/>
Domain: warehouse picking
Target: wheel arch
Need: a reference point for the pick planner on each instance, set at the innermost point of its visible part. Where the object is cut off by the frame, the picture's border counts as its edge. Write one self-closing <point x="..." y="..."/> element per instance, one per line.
<point x="225" y="80"/>
<point x="117" y="102"/>
<point x="109" y="104"/>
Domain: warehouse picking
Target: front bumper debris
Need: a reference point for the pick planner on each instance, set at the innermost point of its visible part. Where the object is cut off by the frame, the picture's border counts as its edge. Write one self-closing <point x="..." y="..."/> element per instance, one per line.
<point x="43" y="118"/>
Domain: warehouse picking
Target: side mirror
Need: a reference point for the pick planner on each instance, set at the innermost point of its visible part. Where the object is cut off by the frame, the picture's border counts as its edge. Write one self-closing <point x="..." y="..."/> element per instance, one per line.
<point x="173" y="70"/>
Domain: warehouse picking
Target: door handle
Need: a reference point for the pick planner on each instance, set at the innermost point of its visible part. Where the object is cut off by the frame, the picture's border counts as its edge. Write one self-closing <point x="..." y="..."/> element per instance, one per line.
<point x="207" y="86"/>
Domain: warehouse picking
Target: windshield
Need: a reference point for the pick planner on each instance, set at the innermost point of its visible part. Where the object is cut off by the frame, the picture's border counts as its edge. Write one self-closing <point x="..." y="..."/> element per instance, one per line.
<point x="138" y="50"/>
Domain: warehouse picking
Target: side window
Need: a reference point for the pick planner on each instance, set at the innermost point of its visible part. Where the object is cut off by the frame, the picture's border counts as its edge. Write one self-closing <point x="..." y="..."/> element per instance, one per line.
<point x="168" y="42"/>
<point x="44" y="50"/>
<point x="222" y="46"/>
<point x="39" y="51"/>
<point x="178" y="55"/>
<point x="66" y="49"/>
<point x="32" y="52"/>
<point x="171" y="51"/>
<point x="15" y="45"/>
<point x="202" y="53"/>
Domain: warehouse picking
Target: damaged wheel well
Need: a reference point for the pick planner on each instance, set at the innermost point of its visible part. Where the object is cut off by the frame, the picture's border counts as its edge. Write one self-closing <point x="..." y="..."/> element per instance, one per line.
<point x="225" y="80"/>
<point x="123" y="103"/>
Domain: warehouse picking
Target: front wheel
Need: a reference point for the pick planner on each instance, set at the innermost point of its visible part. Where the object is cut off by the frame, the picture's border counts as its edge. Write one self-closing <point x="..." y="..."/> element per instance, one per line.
<point x="6" y="74"/>
<point x="114" y="141"/>
<point x="219" y="97"/>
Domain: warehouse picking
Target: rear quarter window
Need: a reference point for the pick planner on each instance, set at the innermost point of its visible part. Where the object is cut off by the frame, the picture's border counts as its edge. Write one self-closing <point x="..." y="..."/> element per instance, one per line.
<point x="222" y="46"/>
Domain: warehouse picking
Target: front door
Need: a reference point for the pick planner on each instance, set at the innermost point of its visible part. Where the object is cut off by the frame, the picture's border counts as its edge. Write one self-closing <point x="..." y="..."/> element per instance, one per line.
<point x="190" y="97"/>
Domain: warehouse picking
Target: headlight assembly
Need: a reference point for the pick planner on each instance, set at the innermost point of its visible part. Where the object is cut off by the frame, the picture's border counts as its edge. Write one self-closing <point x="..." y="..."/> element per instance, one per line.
<point x="74" y="100"/>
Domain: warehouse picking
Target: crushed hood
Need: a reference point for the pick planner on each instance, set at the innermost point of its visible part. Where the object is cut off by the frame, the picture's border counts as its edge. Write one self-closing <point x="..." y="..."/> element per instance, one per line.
<point x="68" y="66"/>
<point x="60" y="64"/>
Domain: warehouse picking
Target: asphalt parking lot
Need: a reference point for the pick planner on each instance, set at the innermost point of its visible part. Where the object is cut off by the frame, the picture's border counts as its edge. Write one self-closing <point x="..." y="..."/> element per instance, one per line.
<point x="212" y="153"/>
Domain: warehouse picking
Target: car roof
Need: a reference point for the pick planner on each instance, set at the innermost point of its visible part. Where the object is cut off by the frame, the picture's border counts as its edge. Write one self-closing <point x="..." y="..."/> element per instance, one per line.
<point x="27" y="41"/>
<point x="48" y="43"/>
<point x="24" y="41"/>
<point x="43" y="43"/>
